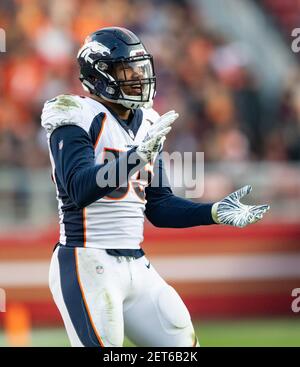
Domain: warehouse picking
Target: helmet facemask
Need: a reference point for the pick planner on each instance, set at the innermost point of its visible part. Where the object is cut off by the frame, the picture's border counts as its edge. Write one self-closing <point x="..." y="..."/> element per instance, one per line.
<point x="130" y="82"/>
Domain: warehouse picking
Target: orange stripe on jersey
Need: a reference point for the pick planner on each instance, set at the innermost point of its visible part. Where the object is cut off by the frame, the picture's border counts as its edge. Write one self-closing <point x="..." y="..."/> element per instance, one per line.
<point x="101" y="131"/>
<point x="84" y="300"/>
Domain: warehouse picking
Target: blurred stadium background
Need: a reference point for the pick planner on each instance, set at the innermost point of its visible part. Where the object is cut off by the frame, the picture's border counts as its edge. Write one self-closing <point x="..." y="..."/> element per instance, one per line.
<point x="227" y="67"/>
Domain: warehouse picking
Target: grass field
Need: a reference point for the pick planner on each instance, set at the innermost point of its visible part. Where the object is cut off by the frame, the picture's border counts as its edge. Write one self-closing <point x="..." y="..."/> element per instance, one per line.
<point x="258" y="332"/>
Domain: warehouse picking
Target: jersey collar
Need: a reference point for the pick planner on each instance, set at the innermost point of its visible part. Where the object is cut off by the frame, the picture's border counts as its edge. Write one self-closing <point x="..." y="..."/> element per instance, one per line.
<point x="132" y="125"/>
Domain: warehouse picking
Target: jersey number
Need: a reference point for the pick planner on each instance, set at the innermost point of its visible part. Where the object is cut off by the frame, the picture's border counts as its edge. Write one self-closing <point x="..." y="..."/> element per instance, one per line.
<point x="137" y="182"/>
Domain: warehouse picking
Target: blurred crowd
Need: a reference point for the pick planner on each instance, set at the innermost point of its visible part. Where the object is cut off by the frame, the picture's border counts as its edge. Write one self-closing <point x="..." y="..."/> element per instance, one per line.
<point x="202" y="75"/>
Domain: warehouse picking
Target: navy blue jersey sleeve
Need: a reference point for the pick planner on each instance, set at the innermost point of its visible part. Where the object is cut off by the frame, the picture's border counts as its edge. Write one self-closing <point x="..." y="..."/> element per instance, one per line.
<point x="164" y="209"/>
<point x="73" y="154"/>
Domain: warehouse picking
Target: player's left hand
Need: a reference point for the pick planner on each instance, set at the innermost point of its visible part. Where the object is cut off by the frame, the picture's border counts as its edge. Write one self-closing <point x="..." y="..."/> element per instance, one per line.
<point x="232" y="212"/>
<point x="152" y="143"/>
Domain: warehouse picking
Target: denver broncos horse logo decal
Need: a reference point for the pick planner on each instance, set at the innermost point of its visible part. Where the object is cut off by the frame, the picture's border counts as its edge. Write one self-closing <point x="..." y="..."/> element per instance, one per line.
<point x="93" y="48"/>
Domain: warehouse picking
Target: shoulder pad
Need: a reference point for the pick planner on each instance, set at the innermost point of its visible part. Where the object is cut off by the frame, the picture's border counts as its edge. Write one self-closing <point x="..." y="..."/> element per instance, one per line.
<point x="61" y="110"/>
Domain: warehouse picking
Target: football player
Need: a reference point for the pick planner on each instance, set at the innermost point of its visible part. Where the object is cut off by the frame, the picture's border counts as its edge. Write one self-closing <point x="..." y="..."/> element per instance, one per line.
<point x="104" y="149"/>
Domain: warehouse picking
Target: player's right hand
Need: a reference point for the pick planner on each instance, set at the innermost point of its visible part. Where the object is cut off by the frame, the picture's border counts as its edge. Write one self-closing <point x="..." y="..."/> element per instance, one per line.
<point x="156" y="135"/>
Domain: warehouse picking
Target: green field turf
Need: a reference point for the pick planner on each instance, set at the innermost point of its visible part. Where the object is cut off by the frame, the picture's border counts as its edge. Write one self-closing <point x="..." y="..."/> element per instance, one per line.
<point x="264" y="332"/>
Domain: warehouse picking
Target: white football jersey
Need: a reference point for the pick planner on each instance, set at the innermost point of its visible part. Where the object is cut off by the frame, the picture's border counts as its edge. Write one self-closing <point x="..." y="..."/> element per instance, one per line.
<point x="115" y="221"/>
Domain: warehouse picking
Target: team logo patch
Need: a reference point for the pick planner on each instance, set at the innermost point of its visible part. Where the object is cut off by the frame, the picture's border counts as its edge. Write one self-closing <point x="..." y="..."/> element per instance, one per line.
<point x="99" y="269"/>
<point x="64" y="102"/>
<point x="92" y="48"/>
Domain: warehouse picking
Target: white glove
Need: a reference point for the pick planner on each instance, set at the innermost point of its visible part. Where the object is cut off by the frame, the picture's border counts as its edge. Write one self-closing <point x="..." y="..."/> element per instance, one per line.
<point x="152" y="143"/>
<point x="232" y="212"/>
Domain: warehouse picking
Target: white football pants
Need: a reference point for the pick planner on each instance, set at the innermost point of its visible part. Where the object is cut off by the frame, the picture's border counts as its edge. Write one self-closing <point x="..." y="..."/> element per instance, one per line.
<point x="101" y="297"/>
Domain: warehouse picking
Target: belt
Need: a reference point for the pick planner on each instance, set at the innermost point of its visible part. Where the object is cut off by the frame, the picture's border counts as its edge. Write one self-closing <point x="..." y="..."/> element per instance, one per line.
<point x="136" y="253"/>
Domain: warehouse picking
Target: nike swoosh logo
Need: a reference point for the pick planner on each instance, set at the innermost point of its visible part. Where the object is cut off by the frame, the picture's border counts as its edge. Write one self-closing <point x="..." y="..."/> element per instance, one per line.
<point x="148" y="265"/>
<point x="151" y="122"/>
